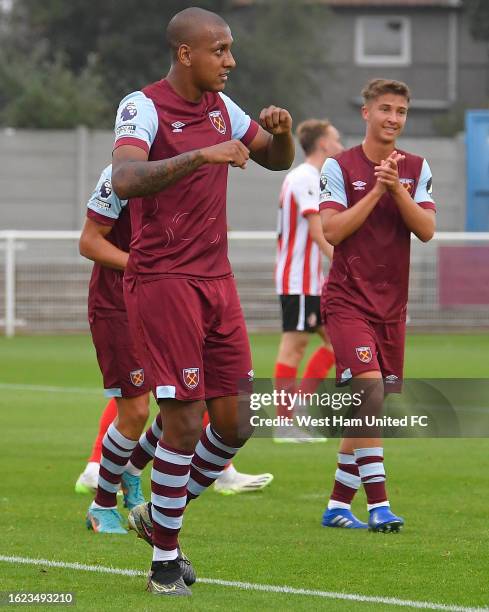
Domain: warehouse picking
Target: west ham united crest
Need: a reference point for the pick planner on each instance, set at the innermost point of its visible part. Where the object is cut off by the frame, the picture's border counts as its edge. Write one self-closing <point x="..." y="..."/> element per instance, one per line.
<point x="408" y="184"/>
<point x="137" y="377"/>
<point x="190" y="377"/>
<point x="364" y="353"/>
<point x="217" y="121"/>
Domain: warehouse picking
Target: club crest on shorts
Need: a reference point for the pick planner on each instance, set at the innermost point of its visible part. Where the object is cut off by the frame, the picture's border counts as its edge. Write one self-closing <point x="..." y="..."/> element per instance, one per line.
<point x="364" y="353"/>
<point x="191" y="377"/>
<point x="217" y="121"/>
<point x="137" y="377"/>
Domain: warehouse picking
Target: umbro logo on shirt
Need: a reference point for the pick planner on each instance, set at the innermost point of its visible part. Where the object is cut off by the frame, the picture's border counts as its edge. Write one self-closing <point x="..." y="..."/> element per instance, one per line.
<point x="177" y="126"/>
<point x="359" y="185"/>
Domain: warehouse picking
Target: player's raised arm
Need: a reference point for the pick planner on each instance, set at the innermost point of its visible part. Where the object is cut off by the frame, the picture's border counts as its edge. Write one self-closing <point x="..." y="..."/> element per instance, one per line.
<point x="338" y="220"/>
<point x="133" y="175"/>
<point x="418" y="212"/>
<point x="273" y="146"/>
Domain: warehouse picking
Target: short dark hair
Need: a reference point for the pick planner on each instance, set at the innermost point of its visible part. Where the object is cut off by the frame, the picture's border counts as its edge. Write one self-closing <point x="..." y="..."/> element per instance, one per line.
<point x="310" y="131"/>
<point x="186" y="27"/>
<point x="378" y="87"/>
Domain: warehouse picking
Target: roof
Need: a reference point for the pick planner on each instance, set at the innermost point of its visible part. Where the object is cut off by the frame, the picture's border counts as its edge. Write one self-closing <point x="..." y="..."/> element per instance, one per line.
<point x="370" y="3"/>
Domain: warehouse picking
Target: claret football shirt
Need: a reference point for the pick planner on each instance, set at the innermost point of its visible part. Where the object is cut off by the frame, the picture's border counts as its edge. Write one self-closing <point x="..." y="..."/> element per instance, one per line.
<point x="181" y="230"/>
<point x="104" y="207"/>
<point x="370" y="270"/>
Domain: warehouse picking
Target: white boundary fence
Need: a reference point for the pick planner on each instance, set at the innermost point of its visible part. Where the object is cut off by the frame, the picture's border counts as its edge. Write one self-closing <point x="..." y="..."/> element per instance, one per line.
<point x="12" y="241"/>
<point x="44" y="281"/>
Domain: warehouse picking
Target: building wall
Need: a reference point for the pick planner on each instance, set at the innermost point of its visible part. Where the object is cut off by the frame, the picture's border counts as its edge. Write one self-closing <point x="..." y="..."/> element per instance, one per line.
<point x="341" y="79"/>
<point x="47" y="177"/>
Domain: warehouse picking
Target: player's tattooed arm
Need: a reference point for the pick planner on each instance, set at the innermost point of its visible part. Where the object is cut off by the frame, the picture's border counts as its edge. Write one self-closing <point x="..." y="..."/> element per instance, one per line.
<point x="134" y="176"/>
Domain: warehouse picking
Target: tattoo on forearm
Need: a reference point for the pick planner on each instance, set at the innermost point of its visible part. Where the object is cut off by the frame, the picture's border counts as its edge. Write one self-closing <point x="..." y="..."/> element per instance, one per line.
<point x="147" y="178"/>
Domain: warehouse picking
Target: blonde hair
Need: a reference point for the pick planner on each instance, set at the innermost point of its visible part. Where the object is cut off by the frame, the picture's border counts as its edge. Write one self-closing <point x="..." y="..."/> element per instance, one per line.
<point x="378" y="87"/>
<point x="310" y="131"/>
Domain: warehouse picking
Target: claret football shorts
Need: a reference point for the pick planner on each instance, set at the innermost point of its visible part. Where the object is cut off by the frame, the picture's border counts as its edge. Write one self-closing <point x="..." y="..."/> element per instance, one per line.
<point x="361" y="345"/>
<point x="195" y="334"/>
<point x="123" y="370"/>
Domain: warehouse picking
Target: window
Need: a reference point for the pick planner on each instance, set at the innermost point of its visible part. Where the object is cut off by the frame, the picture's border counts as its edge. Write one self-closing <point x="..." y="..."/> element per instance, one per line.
<point x="383" y="41"/>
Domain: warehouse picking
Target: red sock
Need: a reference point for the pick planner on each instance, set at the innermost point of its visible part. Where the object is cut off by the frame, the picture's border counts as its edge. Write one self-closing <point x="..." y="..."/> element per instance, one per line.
<point x="317" y="369"/>
<point x="285" y="380"/>
<point x="205" y="420"/>
<point x="108" y="415"/>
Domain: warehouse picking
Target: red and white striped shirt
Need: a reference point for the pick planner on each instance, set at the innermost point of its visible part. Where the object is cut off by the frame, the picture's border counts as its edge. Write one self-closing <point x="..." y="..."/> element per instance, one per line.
<point x="299" y="267"/>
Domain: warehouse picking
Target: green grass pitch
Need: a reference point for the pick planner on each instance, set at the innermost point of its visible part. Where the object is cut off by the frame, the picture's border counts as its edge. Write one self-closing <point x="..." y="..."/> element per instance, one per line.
<point x="268" y="538"/>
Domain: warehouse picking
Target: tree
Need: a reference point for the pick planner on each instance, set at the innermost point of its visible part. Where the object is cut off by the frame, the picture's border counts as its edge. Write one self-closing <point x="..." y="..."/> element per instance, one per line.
<point x="478" y="12"/>
<point x="42" y="93"/>
<point x="95" y="57"/>
<point x="127" y="38"/>
<point x="276" y="46"/>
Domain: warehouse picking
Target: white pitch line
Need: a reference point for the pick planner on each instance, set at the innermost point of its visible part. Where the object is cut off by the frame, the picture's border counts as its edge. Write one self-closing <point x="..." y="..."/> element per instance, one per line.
<point x="50" y="389"/>
<point x="76" y="566"/>
<point x="250" y="586"/>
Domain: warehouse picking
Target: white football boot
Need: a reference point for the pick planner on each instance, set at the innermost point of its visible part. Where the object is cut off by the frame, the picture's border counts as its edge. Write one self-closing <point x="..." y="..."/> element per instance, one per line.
<point x="231" y="481"/>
